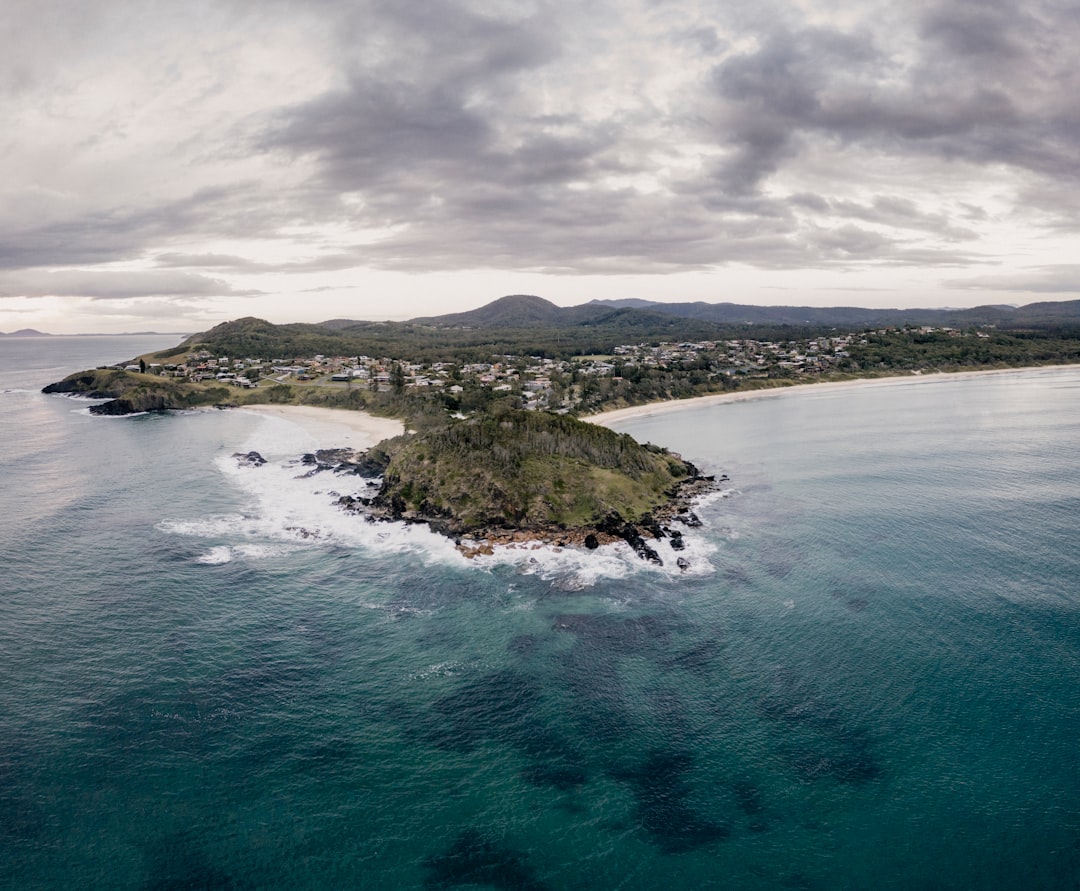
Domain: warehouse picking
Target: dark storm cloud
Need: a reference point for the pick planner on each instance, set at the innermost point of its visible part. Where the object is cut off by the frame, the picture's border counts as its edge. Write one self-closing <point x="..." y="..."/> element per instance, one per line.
<point x="114" y="285"/>
<point x="980" y="82"/>
<point x="447" y="139"/>
<point x="105" y="235"/>
<point x="567" y="138"/>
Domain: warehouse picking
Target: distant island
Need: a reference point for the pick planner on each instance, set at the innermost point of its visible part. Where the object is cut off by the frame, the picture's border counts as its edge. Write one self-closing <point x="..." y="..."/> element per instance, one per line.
<point x="32" y="332"/>
<point x="491" y="395"/>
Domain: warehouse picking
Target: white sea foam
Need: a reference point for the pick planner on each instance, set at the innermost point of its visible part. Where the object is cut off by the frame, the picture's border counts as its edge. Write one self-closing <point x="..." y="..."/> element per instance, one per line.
<point x="287" y="507"/>
<point x="216" y="556"/>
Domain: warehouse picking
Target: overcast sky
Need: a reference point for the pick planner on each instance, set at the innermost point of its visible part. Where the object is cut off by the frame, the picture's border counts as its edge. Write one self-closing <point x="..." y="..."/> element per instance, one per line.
<point x="170" y="165"/>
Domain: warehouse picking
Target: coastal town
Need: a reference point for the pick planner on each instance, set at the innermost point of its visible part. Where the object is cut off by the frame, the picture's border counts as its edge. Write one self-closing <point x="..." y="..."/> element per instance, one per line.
<point x="576" y="384"/>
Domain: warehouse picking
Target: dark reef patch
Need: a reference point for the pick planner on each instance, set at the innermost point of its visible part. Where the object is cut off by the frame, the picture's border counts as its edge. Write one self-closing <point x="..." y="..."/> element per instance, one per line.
<point x="505" y="707"/>
<point x="821" y="739"/>
<point x="176" y="862"/>
<point x="661" y="793"/>
<point x="592" y="679"/>
<point x="475" y="860"/>
<point x="748" y="797"/>
<point x="700" y="660"/>
<point x="560" y="775"/>
<point x="640" y="634"/>
<point x="524" y="645"/>
<point x="501" y="705"/>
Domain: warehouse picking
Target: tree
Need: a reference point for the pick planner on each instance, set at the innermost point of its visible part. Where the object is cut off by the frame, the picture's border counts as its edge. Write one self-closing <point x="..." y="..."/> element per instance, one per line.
<point x="397" y="378"/>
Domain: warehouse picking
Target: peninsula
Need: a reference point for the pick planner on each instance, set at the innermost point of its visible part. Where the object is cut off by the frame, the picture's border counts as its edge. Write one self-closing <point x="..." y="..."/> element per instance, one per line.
<point x="490" y="396"/>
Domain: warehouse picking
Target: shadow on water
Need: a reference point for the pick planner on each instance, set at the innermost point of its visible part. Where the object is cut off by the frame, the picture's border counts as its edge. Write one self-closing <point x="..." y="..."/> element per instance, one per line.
<point x="475" y="860"/>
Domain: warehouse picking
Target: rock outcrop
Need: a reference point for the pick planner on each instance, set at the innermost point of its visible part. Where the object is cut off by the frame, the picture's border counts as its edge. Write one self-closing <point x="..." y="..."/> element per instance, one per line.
<point x="527" y="477"/>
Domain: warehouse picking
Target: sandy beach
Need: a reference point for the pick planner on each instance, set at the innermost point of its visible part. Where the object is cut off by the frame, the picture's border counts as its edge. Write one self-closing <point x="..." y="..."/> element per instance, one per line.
<point x="359" y="430"/>
<point x="335" y="427"/>
<point x="608" y="418"/>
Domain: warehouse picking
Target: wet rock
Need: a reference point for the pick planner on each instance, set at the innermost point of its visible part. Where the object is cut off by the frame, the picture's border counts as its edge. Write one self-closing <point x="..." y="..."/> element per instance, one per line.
<point x="249" y="459"/>
<point x="137" y="405"/>
<point x="614" y="525"/>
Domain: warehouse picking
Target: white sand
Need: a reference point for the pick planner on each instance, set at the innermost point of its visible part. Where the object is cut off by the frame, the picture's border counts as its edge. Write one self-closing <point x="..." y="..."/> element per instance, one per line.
<point x="658" y="408"/>
<point x="335" y="427"/>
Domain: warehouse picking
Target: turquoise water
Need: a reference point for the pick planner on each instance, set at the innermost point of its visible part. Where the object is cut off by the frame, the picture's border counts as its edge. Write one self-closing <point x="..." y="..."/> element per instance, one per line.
<point x="869" y="678"/>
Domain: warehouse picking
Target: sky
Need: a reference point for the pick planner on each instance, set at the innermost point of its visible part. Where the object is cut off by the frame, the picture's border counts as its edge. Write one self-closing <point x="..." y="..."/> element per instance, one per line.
<point x="171" y="165"/>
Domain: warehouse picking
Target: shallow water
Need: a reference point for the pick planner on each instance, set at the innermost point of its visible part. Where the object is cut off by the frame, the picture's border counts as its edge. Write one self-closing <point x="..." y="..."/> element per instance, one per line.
<point x="870" y="678"/>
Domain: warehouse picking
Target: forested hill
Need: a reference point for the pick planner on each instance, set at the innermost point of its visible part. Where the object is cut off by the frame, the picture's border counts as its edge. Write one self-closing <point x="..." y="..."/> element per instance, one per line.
<point x="1063" y="315"/>
<point x="529" y="325"/>
<point x="513" y="325"/>
<point x="517" y="470"/>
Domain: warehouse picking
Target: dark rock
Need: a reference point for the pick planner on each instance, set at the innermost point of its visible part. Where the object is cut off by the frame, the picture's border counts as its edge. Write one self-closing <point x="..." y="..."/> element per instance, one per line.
<point x="591" y="542"/>
<point x="683" y="564"/>
<point x="677" y="543"/>
<point x="363" y="464"/>
<point x="613" y="524"/>
<point x="133" y="406"/>
<point x="81" y="384"/>
<point x="251" y="459"/>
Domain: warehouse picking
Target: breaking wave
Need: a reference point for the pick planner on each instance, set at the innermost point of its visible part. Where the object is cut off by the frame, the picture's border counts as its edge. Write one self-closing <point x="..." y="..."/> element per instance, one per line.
<point x="287" y="507"/>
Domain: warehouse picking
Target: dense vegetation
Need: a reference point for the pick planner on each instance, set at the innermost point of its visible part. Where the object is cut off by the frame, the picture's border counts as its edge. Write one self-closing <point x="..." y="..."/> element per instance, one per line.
<point x="1050" y="317"/>
<point x="517" y="469"/>
<point x="915" y="350"/>
<point x="138" y="392"/>
<point x="558" y="335"/>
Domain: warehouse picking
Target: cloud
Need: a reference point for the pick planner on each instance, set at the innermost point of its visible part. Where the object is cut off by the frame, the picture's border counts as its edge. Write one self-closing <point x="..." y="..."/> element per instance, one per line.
<point x="290" y="139"/>
<point x="114" y="285"/>
<point x="1062" y="279"/>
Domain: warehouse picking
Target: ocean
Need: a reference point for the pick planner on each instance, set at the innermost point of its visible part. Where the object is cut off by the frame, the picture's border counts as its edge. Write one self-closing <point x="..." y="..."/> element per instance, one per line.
<point x="869" y="676"/>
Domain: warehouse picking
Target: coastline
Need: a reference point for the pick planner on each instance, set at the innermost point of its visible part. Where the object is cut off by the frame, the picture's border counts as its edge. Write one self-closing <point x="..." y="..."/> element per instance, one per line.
<point x="334" y="427"/>
<point x="634" y="412"/>
<point x="360" y="430"/>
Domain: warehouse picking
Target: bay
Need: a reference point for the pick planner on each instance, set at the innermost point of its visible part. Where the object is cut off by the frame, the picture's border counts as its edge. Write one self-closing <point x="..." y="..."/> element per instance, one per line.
<point x="869" y="679"/>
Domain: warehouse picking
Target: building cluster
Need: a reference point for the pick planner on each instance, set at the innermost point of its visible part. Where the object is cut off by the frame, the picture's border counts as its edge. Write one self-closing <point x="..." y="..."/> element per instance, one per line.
<point x="541" y="383"/>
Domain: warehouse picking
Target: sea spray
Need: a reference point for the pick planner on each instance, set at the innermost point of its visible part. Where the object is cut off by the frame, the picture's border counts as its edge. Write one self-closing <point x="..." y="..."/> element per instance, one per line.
<point x="289" y="506"/>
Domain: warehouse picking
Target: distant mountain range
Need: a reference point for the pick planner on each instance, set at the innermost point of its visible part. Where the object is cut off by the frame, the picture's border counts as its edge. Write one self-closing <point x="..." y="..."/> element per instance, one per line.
<point x="25" y="332"/>
<point x="1034" y="315"/>
<point x="525" y="311"/>
<point x="526" y="324"/>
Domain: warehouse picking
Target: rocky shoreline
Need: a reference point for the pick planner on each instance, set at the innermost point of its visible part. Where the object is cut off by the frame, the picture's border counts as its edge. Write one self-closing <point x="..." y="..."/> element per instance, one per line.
<point x="666" y="522"/>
